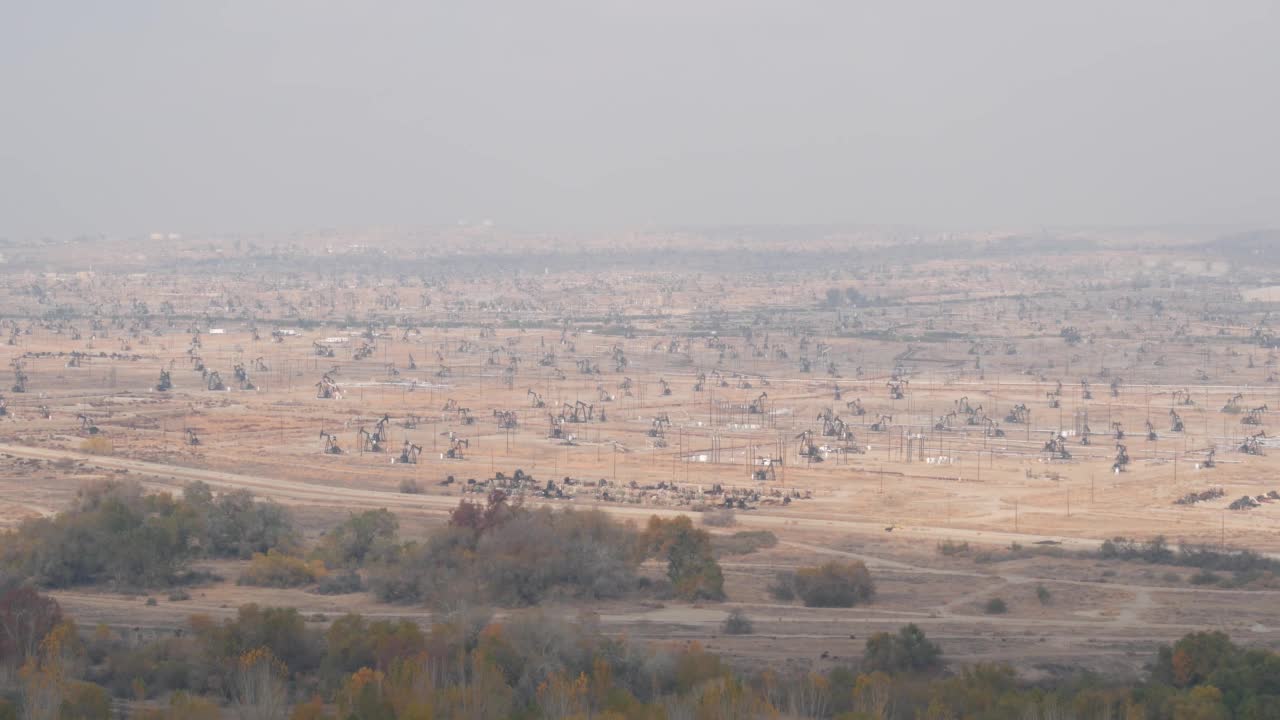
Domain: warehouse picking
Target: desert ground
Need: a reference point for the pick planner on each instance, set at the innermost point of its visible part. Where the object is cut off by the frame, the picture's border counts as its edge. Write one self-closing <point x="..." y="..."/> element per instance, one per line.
<point x="873" y="395"/>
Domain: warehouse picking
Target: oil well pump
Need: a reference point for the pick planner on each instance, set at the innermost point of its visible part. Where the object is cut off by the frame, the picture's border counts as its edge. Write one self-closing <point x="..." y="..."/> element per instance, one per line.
<point x="409" y="453"/>
<point x="330" y="442"/>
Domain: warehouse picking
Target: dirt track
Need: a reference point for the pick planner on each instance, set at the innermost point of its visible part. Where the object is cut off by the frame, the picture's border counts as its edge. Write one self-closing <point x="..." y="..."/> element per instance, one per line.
<point x="293" y="492"/>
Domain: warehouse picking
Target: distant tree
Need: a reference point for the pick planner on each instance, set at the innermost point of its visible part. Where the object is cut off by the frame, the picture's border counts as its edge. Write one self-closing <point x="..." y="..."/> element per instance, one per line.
<point x="906" y="651"/>
<point x="281" y="570"/>
<point x="1194" y="658"/>
<point x="737" y="623"/>
<point x="25" y="618"/>
<point x="258" y="686"/>
<point x="1204" y="702"/>
<point x="1043" y="595"/>
<point x="237" y="525"/>
<point x="691" y="563"/>
<point x="363" y="696"/>
<point x="351" y="543"/>
<point x="834" y="584"/>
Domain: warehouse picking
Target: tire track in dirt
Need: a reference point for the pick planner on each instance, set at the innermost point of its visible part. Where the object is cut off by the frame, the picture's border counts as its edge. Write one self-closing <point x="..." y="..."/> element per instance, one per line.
<point x="303" y="493"/>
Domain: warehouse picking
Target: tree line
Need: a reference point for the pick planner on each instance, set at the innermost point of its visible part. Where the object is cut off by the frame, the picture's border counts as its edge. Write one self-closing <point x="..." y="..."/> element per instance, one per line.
<point x="273" y="664"/>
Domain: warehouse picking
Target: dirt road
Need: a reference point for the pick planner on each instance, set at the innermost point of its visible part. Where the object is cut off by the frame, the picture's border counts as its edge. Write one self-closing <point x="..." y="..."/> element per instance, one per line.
<point x="300" y="493"/>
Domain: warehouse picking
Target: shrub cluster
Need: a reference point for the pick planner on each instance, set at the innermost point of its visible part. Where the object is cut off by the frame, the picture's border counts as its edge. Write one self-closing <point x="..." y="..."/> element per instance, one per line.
<point x="118" y="534"/>
<point x="831" y="584"/>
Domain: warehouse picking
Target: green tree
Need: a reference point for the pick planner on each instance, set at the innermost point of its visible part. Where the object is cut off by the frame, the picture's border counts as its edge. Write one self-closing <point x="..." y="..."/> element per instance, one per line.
<point x="906" y="651"/>
<point x="363" y="535"/>
<point x="691" y="563"/>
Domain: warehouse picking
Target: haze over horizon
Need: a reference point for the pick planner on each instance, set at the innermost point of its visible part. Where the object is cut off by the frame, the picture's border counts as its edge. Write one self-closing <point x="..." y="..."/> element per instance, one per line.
<point x="136" y="116"/>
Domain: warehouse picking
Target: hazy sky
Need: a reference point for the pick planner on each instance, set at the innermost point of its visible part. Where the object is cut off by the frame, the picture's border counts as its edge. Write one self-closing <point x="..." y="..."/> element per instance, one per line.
<point x="267" y="115"/>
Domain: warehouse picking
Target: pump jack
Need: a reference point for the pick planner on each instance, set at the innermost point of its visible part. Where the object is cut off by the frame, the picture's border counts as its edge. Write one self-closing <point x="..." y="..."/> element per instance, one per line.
<point x="1055" y="397"/>
<point x="1057" y="446"/>
<point x="242" y="377"/>
<point x="19" y="376"/>
<point x="1122" y="458"/>
<point x="1252" y="445"/>
<point x="87" y="426"/>
<point x="331" y="446"/>
<point x="213" y="381"/>
<point x="409" y="453"/>
<point x="1233" y="403"/>
<point x="807" y="449"/>
<point x="1019" y="414"/>
<point x="992" y="430"/>
<point x="455" y="449"/>
<point x="327" y="389"/>
<point x="367" y="442"/>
